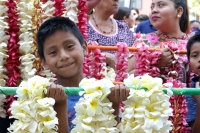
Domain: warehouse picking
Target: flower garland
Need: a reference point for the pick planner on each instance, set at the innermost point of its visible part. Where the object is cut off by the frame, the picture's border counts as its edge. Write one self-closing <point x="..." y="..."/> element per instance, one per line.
<point x="72" y="10"/>
<point x="36" y="21"/>
<point x="3" y="54"/>
<point x="109" y="73"/>
<point x="179" y="106"/>
<point x="48" y="9"/>
<point x="122" y="62"/>
<point x="147" y="108"/>
<point x="82" y="17"/>
<point x="3" y="43"/>
<point x="26" y="48"/>
<point x="13" y="48"/>
<point x="172" y="72"/>
<point x="94" y="63"/>
<point x="33" y="112"/>
<point x="94" y="112"/>
<point x="146" y="60"/>
<point x="59" y="7"/>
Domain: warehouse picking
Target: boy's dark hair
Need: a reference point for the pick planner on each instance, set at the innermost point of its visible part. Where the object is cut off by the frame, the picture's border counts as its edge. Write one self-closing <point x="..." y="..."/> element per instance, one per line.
<point x="53" y="25"/>
<point x="122" y="11"/>
<point x="142" y="18"/>
<point x="191" y="41"/>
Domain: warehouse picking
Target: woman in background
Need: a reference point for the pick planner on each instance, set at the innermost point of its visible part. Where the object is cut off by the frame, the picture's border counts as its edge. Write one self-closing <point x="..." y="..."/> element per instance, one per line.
<point x="106" y="31"/>
<point x="125" y="14"/>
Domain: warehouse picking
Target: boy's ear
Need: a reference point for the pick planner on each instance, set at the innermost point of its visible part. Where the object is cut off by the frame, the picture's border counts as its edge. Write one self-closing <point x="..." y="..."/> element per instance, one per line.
<point x="85" y="48"/>
<point x="44" y="65"/>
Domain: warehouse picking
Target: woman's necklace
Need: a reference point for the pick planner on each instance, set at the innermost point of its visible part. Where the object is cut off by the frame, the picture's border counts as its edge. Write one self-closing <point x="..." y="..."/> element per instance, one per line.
<point x="100" y="28"/>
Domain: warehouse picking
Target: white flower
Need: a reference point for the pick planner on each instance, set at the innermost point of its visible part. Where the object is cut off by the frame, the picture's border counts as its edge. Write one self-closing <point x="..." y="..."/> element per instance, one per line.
<point x="3" y="52"/>
<point x="96" y="88"/>
<point x="147" y="109"/>
<point x="35" y="87"/>
<point x="94" y="111"/>
<point x="72" y="10"/>
<point x="33" y="112"/>
<point x="109" y="73"/>
<point x="48" y="9"/>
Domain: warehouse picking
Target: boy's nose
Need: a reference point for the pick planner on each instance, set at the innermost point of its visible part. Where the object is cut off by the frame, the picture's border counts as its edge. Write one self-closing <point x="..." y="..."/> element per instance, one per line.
<point x="64" y="55"/>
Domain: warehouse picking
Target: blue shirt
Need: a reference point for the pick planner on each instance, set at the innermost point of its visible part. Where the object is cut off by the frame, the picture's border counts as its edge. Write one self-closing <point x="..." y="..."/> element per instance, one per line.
<point x="72" y="100"/>
<point x="145" y="27"/>
<point x="191" y="103"/>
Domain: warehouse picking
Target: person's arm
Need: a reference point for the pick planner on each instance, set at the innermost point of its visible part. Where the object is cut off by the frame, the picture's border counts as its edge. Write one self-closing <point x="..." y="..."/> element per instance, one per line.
<point x="57" y="92"/>
<point x="131" y="64"/>
<point x="60" y="108"/>
<point x="91" y="4"/>
<point x="118" y="94"/>
<point x="116" y="107"/>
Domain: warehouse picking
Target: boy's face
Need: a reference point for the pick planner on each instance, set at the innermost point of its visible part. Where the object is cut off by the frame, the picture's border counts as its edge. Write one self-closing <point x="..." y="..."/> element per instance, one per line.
<point x="195" y="57"/>
<point x="64" y="54"/>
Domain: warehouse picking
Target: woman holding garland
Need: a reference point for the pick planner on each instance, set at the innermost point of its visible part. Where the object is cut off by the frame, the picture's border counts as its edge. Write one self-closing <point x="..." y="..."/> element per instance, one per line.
<point x="105" y="30"/>
<point x="171" y="19"/>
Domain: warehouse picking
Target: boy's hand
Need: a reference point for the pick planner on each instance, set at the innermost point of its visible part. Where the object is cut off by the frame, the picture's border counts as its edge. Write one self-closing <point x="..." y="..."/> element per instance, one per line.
<point x="196" y="97"/>
<point x="56" y="92"/>
<point x="118" y="94"/>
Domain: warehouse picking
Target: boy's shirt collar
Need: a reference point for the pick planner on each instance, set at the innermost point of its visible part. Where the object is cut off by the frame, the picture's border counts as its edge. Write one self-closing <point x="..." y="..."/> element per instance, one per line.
<point x="194" y="80"/>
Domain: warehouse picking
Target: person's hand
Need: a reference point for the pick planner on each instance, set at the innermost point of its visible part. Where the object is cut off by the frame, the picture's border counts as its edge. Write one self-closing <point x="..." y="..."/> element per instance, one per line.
<point x="196" y="97"/>
<point x="166" y="58"/>
<point x="56" y="92"/>
<point x="91" y="4"/>
<point x="110" y="60"/>
<point x="118" y="94"/>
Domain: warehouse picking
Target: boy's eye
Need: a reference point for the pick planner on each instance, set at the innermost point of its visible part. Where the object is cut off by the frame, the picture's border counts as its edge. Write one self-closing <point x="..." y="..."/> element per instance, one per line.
<point x="194" y="55"/>
<point x="70" y="46"/>
<point x="52" y="52"/>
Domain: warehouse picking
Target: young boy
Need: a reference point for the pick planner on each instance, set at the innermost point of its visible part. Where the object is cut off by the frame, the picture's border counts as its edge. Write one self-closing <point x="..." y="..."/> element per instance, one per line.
<point x="61" y="48"/>
<point x="193" y="54"/>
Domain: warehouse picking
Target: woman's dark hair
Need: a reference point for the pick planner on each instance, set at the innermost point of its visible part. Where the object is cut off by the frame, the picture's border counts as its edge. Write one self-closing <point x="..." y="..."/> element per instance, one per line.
<point x="191" y="41"/>
<point x="122" y="11"/>
<point x="142" y="17"/>
<point x="135" y="10"/>
<point x="184" y="20"/>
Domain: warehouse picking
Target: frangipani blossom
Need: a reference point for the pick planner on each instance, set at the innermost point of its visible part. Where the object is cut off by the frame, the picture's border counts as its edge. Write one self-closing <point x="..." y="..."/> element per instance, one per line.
<point x="96" y="88"/>
<point x="72" y="10"/>
<point x="147" y="109"/>
<point x="48" y="9"/>
<point x="4" y="37"/>
<point x="33" y="112"/>
<point x="109" y="73"/>
<point x="94" y="111"/>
